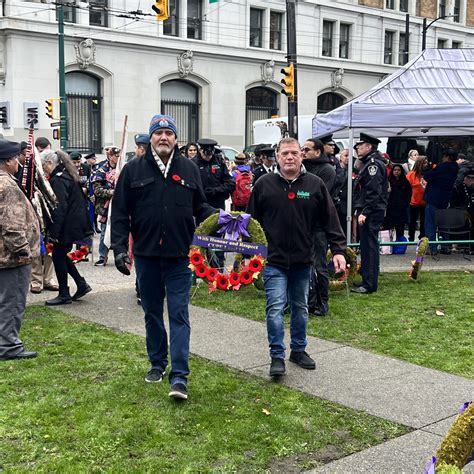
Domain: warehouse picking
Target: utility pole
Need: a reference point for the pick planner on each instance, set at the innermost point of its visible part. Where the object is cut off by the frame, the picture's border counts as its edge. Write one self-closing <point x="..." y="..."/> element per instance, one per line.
<point x="62" y="78"/>
<point x="292" y="59"/>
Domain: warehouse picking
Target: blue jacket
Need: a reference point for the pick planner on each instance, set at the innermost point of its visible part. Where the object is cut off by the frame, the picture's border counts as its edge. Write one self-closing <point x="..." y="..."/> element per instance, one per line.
<point x="440" y="183"/>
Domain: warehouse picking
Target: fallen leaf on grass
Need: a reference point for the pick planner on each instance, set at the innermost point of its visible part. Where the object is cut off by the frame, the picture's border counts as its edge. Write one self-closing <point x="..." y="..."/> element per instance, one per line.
<point x="439" y="313"/>
<point x="265" y="411"/>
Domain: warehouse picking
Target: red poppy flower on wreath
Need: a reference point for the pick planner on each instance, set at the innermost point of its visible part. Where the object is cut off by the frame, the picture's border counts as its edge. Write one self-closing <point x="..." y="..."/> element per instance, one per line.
<point x="234" y="279"/>
<point x="201" y="271"/>
<point x="255" y="265"/>
<point x="176" y="177"/>
<point x="291" y="195"/>
<point x="246" y="277"/>
<point x="196" y="258"/>
<point x="222" y="282"/>
<point x="211" y="273"/>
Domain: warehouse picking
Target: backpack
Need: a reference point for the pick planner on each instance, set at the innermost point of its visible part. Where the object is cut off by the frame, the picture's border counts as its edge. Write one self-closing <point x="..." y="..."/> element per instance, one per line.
<point x="243" y="183"/>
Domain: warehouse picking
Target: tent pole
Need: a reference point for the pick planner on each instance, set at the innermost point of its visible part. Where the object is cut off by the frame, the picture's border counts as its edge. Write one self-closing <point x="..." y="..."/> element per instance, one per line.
<point x="350" y="166"/>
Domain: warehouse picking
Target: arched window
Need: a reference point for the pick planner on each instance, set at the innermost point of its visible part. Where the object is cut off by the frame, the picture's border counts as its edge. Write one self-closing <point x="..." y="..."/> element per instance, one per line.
<point x="261" y="103"/>
<point x="84" y="112"/>
<point x="180" y="99"/>
<point x="329" y="101"/>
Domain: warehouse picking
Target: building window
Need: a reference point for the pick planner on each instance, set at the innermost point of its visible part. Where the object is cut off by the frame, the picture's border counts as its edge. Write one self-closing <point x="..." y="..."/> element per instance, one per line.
<point x="442" y="43"/>
<point x="195" y="19"/>
<point x="442" y="8"/>
<point x="329" y="101"/>
<point x="256" y="23"/>
<point x="171" y="25"/>
<point x="98" y="13"/>
<point x="390" y="4"/>
<point x="402" y="56"/>
<point x="261" y="103"/>
<point x="388" y="47"/>
<point x="404" y="6"/>
<point x="457" y="11"/>
<point x="276" y="21"/>
<point x="328" y="28"/>
<point x="69" y="12"/>
<point x="456" y="44"/>
<point x="344" y="38"/>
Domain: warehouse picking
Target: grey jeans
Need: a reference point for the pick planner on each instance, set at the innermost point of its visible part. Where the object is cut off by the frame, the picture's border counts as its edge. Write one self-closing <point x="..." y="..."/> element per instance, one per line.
<point x="14" y="285"/>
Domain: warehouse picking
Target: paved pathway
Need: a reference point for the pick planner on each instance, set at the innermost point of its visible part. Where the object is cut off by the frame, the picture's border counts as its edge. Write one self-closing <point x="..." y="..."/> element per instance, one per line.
<point x="423" y="399"/>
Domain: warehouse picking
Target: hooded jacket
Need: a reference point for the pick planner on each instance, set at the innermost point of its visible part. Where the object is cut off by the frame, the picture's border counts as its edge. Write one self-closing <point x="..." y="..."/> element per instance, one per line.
<point x="323" y="168"/>
<point x="290" y="213"/>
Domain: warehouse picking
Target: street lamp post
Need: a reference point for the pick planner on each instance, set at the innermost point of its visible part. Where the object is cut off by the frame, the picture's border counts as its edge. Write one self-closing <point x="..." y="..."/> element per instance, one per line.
<point x="425" y="28"/>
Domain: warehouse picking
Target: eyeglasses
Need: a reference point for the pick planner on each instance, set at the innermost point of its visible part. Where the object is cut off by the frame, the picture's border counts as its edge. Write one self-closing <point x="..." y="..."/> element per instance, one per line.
<point x="305" y="150"/>
<point x="331" y="144"/>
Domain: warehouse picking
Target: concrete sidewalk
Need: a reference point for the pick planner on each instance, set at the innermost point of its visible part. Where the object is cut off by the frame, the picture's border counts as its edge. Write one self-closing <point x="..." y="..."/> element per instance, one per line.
<point x="423" y="399"/>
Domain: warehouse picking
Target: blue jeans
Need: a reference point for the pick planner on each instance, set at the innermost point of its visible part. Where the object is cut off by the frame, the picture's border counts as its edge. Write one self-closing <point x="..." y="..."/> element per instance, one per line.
<point x="158" y="277"/>
<point x="430" y="226"/>
<point x="103" y="249"/>
<point x="280" y="285"/>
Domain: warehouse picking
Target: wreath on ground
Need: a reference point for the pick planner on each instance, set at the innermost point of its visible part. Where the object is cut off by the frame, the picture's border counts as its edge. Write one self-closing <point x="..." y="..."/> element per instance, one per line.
<point x="339" y="282"/>
<point x="244" y="270"/>
<point x="418" y="262"/>
<point x="457" y="448"/>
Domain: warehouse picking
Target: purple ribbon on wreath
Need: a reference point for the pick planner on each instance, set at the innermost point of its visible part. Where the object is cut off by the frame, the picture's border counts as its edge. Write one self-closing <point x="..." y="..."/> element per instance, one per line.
<point x="233" y="227"/>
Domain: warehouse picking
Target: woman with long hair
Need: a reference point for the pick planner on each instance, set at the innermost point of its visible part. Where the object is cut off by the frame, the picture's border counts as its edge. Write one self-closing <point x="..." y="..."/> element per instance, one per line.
<point x="410" y="164"/>
<point x="70" y="224"/>
<point x="398" y="201"/>
<point x="191" y="150"/>
<point x="417" y="203"/>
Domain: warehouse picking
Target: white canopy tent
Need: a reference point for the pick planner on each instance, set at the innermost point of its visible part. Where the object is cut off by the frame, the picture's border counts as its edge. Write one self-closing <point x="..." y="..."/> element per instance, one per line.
<point x="431" y="95"/>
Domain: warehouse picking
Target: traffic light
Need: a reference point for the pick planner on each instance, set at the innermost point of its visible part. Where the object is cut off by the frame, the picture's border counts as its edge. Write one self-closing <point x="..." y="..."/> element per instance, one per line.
<point x="161" y="9"/>
<point x="49" y="108"/>
<point x="289" y="81"/>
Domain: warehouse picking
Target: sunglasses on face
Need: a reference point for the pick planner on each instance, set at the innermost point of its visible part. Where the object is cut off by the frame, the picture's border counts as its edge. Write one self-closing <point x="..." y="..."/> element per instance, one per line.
<point x="306" y="149"/>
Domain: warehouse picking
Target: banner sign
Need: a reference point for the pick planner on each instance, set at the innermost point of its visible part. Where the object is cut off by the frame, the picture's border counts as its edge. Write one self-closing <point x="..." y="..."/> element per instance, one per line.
<point x="217" y="243"/>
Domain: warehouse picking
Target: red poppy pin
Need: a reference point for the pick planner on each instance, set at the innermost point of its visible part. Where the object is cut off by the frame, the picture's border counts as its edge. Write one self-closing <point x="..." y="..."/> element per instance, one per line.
<point x="291" y="195"/>
<point x="176" y="177"/>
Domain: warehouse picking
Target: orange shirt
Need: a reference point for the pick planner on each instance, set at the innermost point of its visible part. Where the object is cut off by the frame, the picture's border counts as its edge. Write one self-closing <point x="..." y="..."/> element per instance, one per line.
<point x="417" y="189"/>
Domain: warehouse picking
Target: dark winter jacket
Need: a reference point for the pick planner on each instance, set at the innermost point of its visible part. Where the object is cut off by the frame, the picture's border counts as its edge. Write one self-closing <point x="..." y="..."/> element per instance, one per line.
<point x="258" y="172"/>
<point x="157" y="211"/>
<point x="371" y="185"/>
<point x="290" y="213"/>
<point x="323" y="168"/>
<point x="398" y="207"/>
<point x="216" y="180"/>
<point x="440" y="184"/>
<point x="71" y="222"/>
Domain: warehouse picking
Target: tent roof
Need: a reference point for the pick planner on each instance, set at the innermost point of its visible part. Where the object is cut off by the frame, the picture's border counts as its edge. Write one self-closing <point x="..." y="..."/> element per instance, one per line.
<point x="433" y="95"/>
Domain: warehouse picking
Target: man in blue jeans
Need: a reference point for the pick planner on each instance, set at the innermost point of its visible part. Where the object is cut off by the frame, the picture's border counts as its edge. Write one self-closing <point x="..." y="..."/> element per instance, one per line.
<point x="156" y="198"/>
<point x="291" y="204"/>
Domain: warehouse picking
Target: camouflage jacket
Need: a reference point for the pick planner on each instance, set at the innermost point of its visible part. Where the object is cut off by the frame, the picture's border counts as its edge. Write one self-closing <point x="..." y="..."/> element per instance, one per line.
<point x="19" y="226"/>
<point x="103" y="183"/>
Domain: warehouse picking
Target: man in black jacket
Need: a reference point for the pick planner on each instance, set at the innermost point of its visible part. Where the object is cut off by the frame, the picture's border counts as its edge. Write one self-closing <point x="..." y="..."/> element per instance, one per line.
<point x="156" y="199"/>
<point x="267" y="157"/>
<point x="370" y="203"/>
<point x="291" y="204"/>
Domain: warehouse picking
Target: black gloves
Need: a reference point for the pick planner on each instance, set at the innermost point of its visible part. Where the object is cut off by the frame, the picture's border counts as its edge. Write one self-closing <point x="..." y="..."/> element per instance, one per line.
<point x="123" y="263"/>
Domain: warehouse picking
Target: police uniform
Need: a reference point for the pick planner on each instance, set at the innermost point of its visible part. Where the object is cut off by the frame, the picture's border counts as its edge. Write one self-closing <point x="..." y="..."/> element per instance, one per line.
<point x="370" y="200"/>
<point x="262" y="170"/>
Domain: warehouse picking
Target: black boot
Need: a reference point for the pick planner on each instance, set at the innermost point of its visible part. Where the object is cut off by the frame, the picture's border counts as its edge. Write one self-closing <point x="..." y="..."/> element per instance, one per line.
<point x="82" y="289"/>
<point x="63" y="298"/>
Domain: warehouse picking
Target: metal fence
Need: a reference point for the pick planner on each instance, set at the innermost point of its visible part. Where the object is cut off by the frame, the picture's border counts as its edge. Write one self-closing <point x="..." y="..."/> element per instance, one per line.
<point x="186" y="114"/>
<point x="84" y="123"/>
<point x="256" y="113"/>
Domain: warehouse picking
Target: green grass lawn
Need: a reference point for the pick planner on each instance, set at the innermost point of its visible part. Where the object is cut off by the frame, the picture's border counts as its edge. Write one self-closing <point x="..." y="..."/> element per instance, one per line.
<point x="83" y="406"/>
<point x="400" y="320"/>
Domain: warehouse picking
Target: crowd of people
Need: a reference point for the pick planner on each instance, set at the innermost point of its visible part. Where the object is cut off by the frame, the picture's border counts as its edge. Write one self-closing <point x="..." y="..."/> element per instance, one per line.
<point x="298" y="193"/>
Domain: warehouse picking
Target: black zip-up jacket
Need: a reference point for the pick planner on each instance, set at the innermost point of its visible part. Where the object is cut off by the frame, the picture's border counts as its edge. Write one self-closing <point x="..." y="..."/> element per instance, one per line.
<point x="290" y="213"/>
<point x="323" y="168"/>
<point x="216" y="180"/>
<point x="157" y="211"/>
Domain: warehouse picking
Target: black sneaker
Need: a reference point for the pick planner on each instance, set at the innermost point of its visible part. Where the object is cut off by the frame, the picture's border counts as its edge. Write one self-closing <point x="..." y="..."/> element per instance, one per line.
<point x="178" y="391"/>
<point x="100" y="263"/>
<point x="155" y="374"/>
<point x="303" y="360"/>
<point x="277" y="367"/>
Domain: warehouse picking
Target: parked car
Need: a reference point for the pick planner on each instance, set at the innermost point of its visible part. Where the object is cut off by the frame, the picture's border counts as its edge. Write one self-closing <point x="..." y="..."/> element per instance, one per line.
<point x="229" y="152"/>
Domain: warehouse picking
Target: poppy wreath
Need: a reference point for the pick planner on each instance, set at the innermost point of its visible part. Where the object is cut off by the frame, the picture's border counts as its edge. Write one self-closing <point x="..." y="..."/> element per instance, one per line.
<point x="458" y="444"/>
<point x="418" y="262"/>
<point x="336" y="284"/>
<point x="80" y="254"/>
<point x="244" y="272"/>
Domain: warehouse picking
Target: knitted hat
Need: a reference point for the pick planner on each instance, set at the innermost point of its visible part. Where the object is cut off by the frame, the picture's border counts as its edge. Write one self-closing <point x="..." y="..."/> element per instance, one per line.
<point x="163" y="121"/>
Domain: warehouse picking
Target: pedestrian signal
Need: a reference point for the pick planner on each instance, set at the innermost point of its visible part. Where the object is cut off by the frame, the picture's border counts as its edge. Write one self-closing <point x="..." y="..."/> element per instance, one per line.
<point x="288" y="81"/>
<point x="56" y="134"/>
<point x="161" y="9"/>
<point x="49" y="108"/>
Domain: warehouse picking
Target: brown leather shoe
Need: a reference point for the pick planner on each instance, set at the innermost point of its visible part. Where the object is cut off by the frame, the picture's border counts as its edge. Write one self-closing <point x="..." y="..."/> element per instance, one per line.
<point x="36" y="290"/>
<point x="51" y="287"/>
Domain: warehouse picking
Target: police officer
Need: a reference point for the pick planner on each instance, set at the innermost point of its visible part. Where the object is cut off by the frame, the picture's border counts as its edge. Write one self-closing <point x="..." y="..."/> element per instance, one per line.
<point x="141" y="143"/>
<point x="370" y="202"/>
<point x="267" y="158"/>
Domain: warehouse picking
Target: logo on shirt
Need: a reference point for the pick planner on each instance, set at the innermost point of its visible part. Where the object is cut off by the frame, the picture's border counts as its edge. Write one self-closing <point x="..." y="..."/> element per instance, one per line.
<point x="303" y="195"/>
